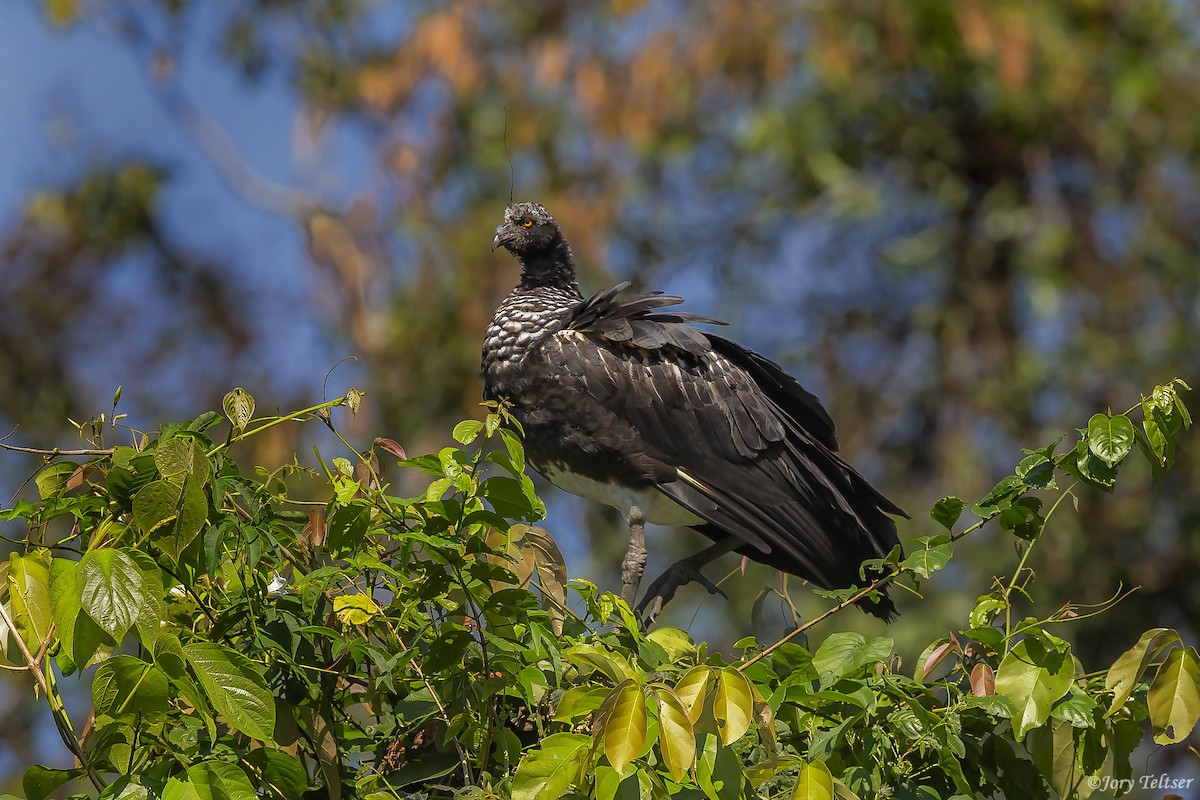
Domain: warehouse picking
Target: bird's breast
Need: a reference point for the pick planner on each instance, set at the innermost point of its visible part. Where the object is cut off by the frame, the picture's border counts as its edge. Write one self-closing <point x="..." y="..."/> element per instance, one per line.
<point x="519" y="324"/>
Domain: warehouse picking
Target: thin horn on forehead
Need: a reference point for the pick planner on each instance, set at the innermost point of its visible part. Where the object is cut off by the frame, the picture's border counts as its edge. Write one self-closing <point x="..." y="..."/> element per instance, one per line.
<point x="512" y="172"/>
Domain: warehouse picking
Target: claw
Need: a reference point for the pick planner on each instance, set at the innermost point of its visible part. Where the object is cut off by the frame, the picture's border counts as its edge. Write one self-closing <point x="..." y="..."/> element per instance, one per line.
<point x="660" y="592"/>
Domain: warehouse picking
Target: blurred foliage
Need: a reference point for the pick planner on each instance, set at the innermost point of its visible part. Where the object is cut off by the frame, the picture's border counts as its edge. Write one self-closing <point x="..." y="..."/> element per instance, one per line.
<point x="961" y="222"/>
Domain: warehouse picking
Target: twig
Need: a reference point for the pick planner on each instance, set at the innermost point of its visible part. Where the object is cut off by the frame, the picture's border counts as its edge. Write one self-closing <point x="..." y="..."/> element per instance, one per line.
<point x="53" y="452"/>
<point x="877" y="583"/>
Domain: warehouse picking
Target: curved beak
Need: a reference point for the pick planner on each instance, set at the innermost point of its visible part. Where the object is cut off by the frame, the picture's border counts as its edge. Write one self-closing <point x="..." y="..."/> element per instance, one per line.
<point x="504" y="235"/>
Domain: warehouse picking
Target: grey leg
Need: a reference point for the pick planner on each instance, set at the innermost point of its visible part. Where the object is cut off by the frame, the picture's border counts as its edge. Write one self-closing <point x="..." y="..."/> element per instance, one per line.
<point x="634" y="563"/>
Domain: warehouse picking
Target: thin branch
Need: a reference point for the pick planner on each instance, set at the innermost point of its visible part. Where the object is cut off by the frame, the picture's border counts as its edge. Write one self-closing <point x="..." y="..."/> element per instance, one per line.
<point x="208" y="136"/>
<point x="829" y="612"/>
<point x="52" y="452"/>
<point x="60" y="714"/>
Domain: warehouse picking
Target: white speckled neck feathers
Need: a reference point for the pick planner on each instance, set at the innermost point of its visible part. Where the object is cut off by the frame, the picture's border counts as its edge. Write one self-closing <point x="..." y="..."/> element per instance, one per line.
<point x="524" y="318"/>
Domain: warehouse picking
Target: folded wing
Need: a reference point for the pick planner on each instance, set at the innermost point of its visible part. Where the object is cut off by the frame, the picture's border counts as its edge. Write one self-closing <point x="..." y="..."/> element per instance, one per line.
<point x="731" y="437"/>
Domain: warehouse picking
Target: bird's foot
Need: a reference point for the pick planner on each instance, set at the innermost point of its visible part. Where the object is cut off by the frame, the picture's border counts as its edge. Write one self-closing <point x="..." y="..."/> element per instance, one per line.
<point x="660" y="592"/>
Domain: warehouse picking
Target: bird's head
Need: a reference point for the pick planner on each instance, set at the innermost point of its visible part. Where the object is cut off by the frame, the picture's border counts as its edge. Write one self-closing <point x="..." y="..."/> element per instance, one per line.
<point x="527" y="230"/>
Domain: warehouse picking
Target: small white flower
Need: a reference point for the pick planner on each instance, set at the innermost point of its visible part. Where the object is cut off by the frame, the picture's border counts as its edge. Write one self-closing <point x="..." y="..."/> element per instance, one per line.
<point x="277" y="585"/>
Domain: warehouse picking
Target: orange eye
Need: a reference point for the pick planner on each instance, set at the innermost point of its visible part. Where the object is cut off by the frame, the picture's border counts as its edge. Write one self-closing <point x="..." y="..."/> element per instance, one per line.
<point x="528" y="223"/>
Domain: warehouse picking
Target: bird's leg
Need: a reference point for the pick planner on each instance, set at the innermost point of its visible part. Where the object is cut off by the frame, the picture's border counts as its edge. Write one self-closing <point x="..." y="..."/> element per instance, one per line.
<point x="634" y="563"/>
<point x="681" y="573"/>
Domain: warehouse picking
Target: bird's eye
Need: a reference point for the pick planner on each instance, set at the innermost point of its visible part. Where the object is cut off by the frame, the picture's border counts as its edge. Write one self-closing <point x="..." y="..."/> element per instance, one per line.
<point x="527" y="223"/>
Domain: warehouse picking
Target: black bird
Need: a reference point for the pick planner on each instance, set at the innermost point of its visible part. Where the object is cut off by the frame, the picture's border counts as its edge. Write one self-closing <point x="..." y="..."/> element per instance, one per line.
<point x="628" y="404"/>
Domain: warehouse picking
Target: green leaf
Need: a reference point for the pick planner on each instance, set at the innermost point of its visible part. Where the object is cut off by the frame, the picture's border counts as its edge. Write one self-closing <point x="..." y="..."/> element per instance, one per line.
<point x="348" y="528"/>
<point x="1125" y="672"/>
<point x="1034" y="675"/>
<point x="999" y="497"/>
<point x="53" y="478"/>
<point x="40" y="781"/>
<point x="125" y="787"/>
<point x="934" y="553"/>
<point x="579" y="701"/>
<point x="815" y="782"/>
<point x="676" y="738"/>
<point x="466" y="431"/>
<point x="66" y="598"/>
<point x="986" y="608"/>
<point x="168" y="656"/>
<point x="546" y="772"/>
<point x="1077" y="708"/>
<point x="181" y="457"/>
<point x="625" y="725"/>
<point x="149" y="622"/>
<point x="113" y="742"/>
<point x="112" y="592"/>
<point x="718" y="770"/>
<point x="844" y="652"/>
<point x="1023" y="518"/>
<point x="235" y="687"/>
<point x="1110" y="438"/>
<point x="592" y="657"/>
<point x="946" y="511"/>
<point x="422" y="769"/>
<point x="1054" y="751"/>
<point x="29" y="596"/>
<point x="179" y="790"/>
<point x="1174" y="697"/>
<point x="174" y="513"/>
<point x="238" y="406"/>
<point x="1037" y="469"/>
<point x="220" y="780"/>
<point x="733" y="705"/>
<point x="156" y="504"/>
<point x="516" y="452"/>
<point x="127" y="685"/>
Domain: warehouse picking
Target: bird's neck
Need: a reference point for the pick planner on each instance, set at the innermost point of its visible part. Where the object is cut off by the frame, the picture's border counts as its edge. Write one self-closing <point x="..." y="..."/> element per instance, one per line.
<point x="552" y="268"/>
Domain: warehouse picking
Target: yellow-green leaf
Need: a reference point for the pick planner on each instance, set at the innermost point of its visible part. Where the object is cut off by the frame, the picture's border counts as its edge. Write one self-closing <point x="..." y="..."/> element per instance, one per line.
<point x="615" y="667"/>
<point x="677" y="740"/>
<point x="354" y="609"/>
<point x="53" y="478"/>
<point x="733" y="705"/>
<point x="625" y="728"/>
<point x="815" y="782"/>
<point x="238" y="405"/>
<point x="691" y="689"/>
<point x="1174" y="697"/>
<point x="29" y="597"/>
<point x="674" y="640"/>
<point x="1123" y="675"/>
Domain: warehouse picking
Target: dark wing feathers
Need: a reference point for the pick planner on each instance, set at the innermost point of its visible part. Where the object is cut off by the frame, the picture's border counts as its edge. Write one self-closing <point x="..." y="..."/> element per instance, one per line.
<point x="752" y="451"/>
<point x="801" y="405"/>
<point x="636" y="320"/>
